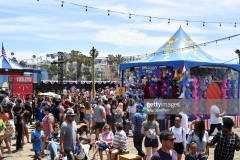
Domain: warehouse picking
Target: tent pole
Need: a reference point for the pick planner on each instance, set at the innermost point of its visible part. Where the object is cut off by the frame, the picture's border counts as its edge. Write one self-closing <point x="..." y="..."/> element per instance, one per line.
<point x="238" y="87"/>
<point x="122" y="77"/>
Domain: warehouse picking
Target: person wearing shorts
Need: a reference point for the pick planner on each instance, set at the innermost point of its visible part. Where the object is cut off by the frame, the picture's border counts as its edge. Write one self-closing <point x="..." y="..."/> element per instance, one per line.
<point x="119" y="142"/>
<point x="99" y="116"/>
<point x="180" y="134"/>
<point x="37" y="138"/>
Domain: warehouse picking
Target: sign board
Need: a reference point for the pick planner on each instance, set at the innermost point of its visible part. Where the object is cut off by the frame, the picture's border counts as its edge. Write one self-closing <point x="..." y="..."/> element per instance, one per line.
<point x="20" y="79"/>
<point x="73" y="89"/>
<point x="149" y="70"/>
<point x="120" y="91"/>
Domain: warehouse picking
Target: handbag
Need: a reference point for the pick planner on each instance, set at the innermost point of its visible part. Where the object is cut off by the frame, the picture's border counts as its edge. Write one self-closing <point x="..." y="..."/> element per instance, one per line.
<point x="81" y="154"/>
<point x="9" y="127"/>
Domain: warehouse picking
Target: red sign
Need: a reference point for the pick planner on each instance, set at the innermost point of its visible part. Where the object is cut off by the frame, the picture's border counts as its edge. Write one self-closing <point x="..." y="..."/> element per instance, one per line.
<point x="21" y="85"/>
<point x="20" y="79"/>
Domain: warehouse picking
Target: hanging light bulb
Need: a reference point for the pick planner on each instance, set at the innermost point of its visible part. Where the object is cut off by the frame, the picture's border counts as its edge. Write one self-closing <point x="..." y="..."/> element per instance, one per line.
<point x="150" y="19"/>
<point x="168" y="21"/>
<point x="229" y="38"/>
<point x="203" y="24"/>
<point x="216" y="41"/>
<point x="130" y="16"/>
<point x="220" y="24"/>
<point x="62" y="4"/>
<point x="235" y="24"/>
<point x="187" y="22"/>
<point x="108" y="12"/>
<point x="86" y="8"/>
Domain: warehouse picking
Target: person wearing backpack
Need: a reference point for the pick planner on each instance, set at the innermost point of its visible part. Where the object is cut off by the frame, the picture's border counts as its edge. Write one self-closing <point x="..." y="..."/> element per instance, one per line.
<point x="180" y="134"/>
<point x="166" y="152"/>
<point x="150" y="128"/>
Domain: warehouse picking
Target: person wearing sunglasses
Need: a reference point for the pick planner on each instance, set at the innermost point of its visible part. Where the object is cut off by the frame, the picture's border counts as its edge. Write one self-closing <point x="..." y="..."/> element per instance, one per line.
<point x="105" y="141"/>
<point x="227" y="141"/>
<point x="166" y="152"/>
<point x="53" y="141"/>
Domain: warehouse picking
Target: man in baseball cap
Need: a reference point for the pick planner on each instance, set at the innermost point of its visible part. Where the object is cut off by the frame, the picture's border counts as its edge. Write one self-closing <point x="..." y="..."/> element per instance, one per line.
<point x="68" y="135"/>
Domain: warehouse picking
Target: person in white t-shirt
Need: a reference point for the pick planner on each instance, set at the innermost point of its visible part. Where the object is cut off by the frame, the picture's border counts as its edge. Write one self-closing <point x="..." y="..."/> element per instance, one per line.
<point x="184" y="120"/>
<point x="180" y="134"/>
<point x="215" y="117"/>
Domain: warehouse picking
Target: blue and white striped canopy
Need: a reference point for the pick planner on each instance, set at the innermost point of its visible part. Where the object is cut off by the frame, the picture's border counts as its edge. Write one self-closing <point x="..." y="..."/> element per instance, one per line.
<point x="9" y="64"/>
<point x="179" y="50"/>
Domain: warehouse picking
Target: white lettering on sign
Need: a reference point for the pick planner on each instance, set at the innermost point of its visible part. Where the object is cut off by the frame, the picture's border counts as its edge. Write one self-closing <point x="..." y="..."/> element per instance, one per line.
<point x="24" y="79"/>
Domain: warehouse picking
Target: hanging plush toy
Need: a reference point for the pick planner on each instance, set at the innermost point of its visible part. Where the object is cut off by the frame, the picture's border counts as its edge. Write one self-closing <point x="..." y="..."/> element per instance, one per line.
<point x="164" y="87"/>
<point x="146" y="90"/>
<point x="170" y="73"/>
<point x="169" y="88"/>
<point x="228" y="83"/>
<point x="224" y="83"/>
<point x="188" y="89"/>
<point x="233" y="88"/>
<point x="200" y="88"/>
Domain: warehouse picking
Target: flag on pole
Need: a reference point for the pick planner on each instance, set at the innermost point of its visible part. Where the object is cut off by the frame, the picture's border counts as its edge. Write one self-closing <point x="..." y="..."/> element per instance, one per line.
<point x="183" y="69"/>
<point x="3" y="51"/>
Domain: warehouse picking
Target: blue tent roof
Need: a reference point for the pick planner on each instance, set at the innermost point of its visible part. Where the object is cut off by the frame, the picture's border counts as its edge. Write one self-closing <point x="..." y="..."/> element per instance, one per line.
<point x="12" y="65"/>
<point x="179" y="50"/>
<point x="9" y="64"/>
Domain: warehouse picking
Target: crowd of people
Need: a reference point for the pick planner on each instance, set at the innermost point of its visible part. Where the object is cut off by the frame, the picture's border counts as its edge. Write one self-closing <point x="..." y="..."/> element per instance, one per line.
<point x="69" y="125"/>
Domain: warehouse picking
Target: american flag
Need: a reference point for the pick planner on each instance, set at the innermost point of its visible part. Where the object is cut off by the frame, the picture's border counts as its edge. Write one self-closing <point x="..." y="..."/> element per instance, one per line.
<point x="3" y="51"/>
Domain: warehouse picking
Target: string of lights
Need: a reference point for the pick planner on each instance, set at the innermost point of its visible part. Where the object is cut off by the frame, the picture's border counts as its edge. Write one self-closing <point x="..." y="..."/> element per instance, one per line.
<point x="150" y="18"/>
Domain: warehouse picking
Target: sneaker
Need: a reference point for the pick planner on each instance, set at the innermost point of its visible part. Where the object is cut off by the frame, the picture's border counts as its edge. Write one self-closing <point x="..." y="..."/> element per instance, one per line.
<point x="4" y="155"/>
<point x="10" y="155"/>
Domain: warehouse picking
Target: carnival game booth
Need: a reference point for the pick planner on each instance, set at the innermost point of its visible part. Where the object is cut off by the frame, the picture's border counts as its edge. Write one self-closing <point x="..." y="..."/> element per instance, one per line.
<point x="182" y="70"/>
<point x="18" y="83"/>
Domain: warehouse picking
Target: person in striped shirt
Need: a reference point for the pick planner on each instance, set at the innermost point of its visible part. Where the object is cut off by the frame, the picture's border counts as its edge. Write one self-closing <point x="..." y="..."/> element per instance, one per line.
<point x="119" y="142"/>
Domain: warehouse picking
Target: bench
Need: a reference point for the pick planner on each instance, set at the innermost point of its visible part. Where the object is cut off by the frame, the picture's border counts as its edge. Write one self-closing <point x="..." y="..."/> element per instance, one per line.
<point x="130" y="157"/>
<point x="123" y="153"/>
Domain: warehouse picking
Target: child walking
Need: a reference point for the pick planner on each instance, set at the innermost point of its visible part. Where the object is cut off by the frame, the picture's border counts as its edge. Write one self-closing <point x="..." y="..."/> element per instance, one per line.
<point x="37" y="137"/>
<point x="193" y="154"/>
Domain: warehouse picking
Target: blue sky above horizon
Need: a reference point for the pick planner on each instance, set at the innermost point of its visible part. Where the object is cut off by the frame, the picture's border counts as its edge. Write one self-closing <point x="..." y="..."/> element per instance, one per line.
<point x="31" y="27"/>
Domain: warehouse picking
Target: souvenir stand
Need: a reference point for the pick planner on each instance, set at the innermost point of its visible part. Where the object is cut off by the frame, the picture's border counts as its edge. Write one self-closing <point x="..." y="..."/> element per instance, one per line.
<point x="182" y="70"/>
<point x="19" y="84"/>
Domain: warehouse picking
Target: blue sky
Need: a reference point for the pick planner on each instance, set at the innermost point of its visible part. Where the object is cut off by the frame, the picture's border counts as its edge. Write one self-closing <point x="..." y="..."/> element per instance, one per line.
<point x="31" y="27"/>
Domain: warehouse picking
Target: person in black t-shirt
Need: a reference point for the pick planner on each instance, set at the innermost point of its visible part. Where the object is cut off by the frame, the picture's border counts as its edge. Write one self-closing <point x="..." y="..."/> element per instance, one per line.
<point x="28" y="107"/>
<point x="18" y="124"/>
<point x="56" y="110"/>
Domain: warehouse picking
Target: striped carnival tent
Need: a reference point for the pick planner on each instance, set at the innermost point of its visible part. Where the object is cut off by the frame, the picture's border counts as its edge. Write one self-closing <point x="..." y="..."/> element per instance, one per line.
<point x="180" y="50"/>
<point x="10" y="67"/>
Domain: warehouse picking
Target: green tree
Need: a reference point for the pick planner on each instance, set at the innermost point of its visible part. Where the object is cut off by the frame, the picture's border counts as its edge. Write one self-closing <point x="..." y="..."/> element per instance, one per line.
<point x="23" y="63"/>
<point x="14" y="59"/>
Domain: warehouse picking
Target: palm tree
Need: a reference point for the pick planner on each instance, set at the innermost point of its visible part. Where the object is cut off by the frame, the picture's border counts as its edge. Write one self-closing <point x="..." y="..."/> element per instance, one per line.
<point x="118" y="60"/>
<point x="12" y="54"/>
<point x="93" y="55"/>
<point x="23" y="63"/>
<point x="34" y="57"/>
<point x="238" y="53"/>
<point x="110" y="61"/>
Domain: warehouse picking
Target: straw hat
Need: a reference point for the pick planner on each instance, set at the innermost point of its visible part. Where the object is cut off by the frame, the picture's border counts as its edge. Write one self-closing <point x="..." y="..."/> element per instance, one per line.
<point x="81" y="125"/>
